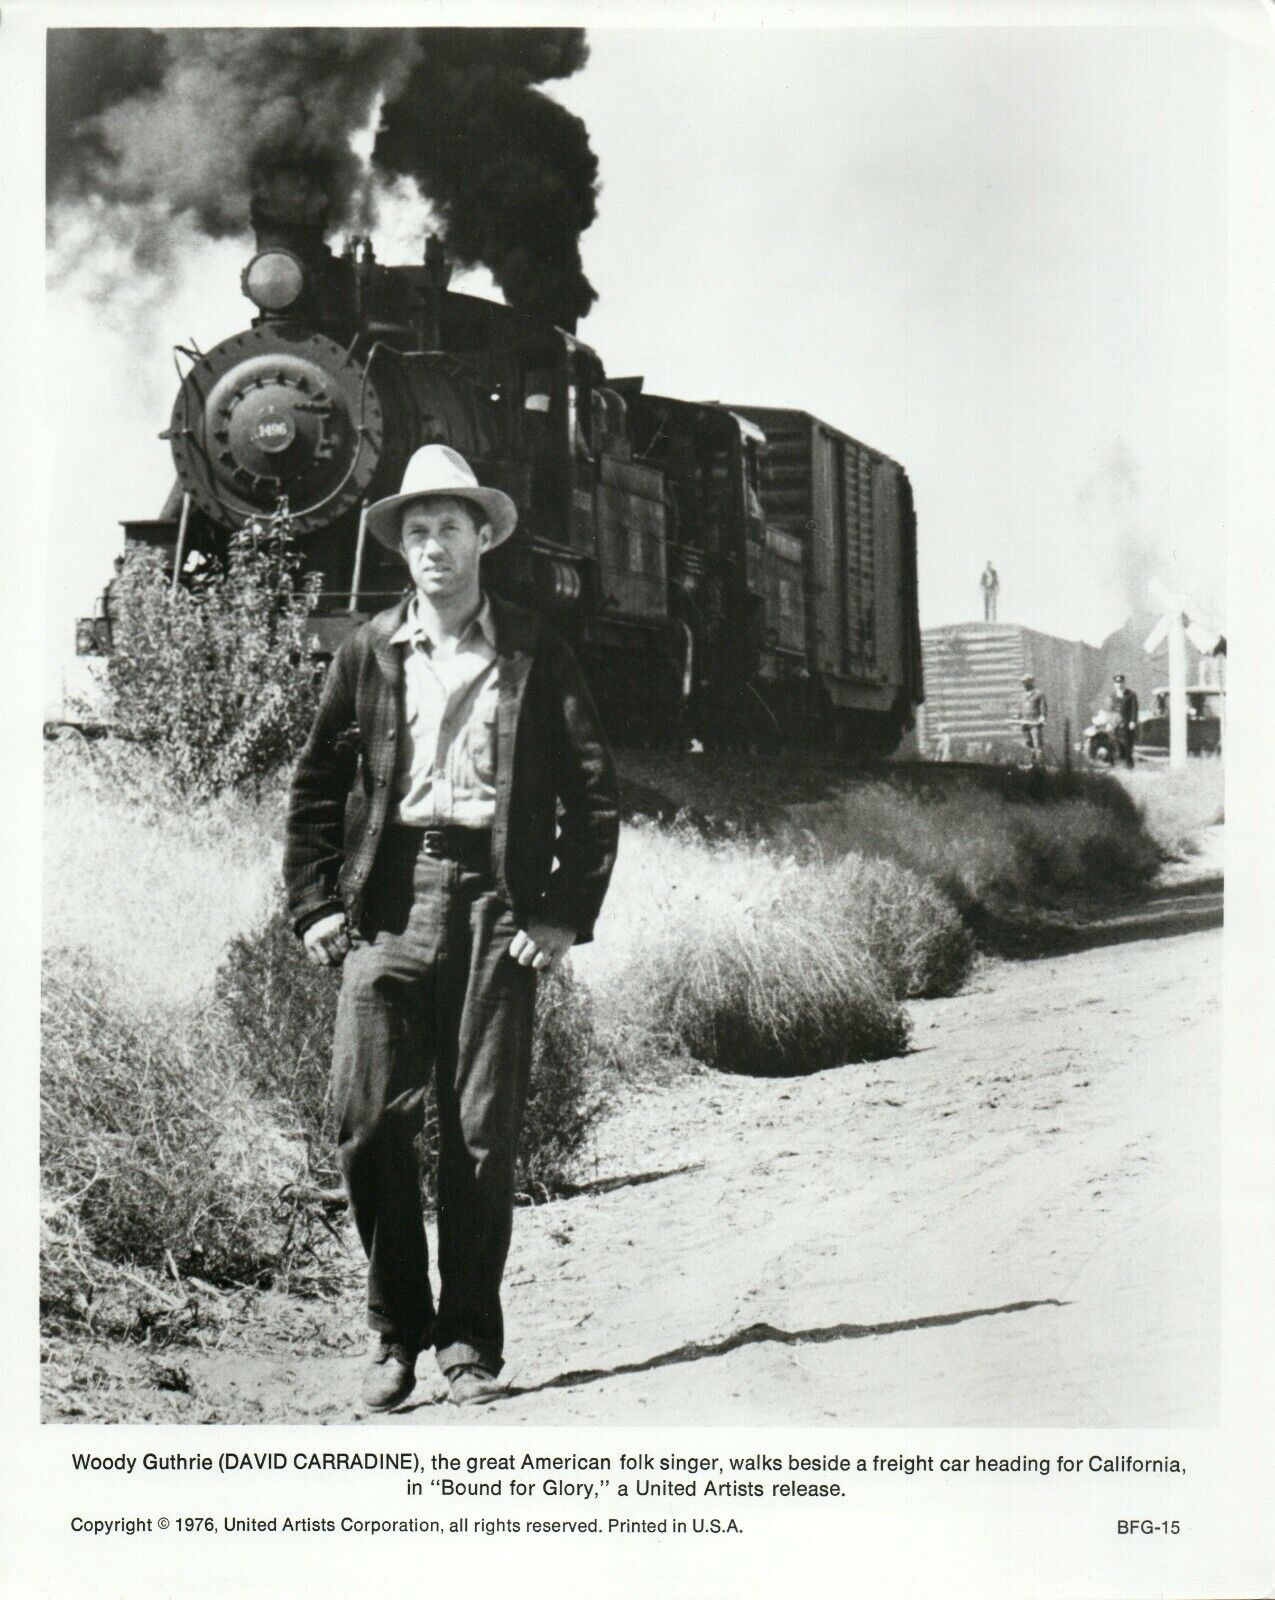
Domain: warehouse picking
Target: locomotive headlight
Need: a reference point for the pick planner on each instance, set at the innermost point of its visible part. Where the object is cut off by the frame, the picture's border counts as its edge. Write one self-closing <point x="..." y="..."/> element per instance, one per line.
<point x="274" y="280"/>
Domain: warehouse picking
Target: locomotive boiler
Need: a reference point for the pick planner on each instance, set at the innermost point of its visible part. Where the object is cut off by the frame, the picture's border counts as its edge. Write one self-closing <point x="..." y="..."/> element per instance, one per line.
<point x="725" y="572"/>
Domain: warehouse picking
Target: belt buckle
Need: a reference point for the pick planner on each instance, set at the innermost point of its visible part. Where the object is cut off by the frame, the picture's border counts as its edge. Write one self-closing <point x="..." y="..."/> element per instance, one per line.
<point x="433" y="842"/>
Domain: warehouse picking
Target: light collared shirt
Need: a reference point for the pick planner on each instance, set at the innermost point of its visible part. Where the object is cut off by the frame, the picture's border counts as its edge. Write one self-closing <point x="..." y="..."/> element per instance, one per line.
<point x="447" y="762"/>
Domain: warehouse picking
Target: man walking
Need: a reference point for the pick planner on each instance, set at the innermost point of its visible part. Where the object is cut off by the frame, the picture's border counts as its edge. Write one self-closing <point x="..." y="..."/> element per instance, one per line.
<point x="455" y="754"/>
<point x="1032" y="713"/>
<point x="1124" y="708"/>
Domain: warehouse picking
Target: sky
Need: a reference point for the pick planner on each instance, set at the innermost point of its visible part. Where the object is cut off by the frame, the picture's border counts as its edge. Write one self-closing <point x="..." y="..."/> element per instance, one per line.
<point x="998" y="254"/>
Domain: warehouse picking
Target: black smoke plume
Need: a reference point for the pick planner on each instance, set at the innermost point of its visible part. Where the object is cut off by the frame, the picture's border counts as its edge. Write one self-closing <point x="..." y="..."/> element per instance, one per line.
<point x="510" y="172"/>
<point x="192" y="123"/>
<point x="218" y="107"/>
<point x="90" y="70"/>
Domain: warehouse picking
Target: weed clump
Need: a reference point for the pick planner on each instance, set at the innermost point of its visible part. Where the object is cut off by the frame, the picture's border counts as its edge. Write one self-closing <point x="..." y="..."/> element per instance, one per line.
<point x="908" y="923"/>
<point x="726" y="954"/>
<point x="218" y="681"/>
<point x="565" y="1101"/>
<point x="1081" y="844"/>
<point x="154" y="1152"/>
<point x="280" y="1009"/>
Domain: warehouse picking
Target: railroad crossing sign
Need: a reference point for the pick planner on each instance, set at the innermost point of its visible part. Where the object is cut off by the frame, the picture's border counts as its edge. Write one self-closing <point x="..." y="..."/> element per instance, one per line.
<point x="1182" y="619"/>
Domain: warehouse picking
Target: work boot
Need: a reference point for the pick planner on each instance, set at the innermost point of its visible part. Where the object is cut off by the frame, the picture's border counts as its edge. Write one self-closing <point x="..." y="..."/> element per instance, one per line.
<point x="391" y="1373"/>
<point x="472" y="1385"/>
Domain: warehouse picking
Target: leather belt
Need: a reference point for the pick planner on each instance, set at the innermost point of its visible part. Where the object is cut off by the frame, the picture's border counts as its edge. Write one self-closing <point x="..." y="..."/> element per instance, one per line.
<point x="470" y="847"/>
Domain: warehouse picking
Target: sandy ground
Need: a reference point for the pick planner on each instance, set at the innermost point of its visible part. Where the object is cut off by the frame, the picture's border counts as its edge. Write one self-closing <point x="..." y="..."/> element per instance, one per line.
<point x="1015" y="1223"/>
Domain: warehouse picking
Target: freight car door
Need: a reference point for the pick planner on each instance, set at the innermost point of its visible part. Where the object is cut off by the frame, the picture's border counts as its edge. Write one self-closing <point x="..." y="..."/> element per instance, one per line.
<point x="891" y="640"/>
<point x="861" y="543"/>
<point x="632" y="558"/>
<point x="826" y="595"/>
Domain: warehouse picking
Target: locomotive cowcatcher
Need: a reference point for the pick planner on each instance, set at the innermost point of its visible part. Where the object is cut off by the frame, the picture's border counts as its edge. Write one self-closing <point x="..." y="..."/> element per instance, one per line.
<point x="724" y="572"/>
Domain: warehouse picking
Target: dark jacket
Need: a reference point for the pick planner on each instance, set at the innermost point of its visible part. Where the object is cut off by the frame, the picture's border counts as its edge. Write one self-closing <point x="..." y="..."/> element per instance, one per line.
<point x="549" y="751"/>
<point x="1124" y="703"/>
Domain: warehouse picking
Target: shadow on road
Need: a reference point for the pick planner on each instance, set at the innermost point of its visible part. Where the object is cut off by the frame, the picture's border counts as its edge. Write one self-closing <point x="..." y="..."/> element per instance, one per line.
<point x="629" y="1180"/>
<point x="1191" y="907"/>
<point x="767" y="1333"/>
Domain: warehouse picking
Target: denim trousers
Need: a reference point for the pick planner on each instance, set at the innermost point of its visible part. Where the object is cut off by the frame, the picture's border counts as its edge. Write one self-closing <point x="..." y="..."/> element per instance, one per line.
<point x="429" y="990"/>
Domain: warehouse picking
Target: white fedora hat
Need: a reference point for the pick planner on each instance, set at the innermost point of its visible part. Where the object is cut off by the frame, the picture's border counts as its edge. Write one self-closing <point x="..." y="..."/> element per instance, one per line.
<point x="437" y="469"/>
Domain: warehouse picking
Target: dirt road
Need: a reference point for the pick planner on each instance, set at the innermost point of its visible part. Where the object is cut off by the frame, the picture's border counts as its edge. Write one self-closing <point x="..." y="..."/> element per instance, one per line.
<point x="1016" y="1223"/>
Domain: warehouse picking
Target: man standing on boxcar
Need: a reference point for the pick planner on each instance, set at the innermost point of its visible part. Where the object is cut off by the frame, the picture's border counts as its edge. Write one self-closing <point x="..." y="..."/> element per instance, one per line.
<point x="990" y="584"/>
<point x="455" y="754"/>
<point x="1032" y="713"/>
<point x="1124" y="709"/>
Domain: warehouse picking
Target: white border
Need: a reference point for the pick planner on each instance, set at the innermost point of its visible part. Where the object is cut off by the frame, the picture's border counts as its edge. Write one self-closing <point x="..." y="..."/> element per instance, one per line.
<point x="986" y="1539"/>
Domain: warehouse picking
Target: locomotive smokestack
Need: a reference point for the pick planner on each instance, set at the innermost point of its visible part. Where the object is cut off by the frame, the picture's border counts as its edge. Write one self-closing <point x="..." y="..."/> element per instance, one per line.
<point x="290" y="209"/>
<point x="508" y="170"/>
<point x="438" y="274"/>
<point x="438" y="269"/>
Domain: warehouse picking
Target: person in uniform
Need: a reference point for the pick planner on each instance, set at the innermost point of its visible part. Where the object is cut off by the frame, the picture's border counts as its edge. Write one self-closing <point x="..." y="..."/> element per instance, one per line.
<point x="108" y="610"/>
<point x="1032" y="713"/>
<point x="1123" y="706"/>
<point x="455" y="756"/>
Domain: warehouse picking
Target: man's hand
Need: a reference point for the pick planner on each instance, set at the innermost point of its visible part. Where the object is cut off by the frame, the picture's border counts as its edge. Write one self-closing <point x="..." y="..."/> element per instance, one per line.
<point x="541" y="944"/>
<point x="327" y="941"/>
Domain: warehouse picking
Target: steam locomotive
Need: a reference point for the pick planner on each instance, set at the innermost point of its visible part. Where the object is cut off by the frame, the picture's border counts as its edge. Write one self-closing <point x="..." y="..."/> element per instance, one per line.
<point x="726" y="573"/>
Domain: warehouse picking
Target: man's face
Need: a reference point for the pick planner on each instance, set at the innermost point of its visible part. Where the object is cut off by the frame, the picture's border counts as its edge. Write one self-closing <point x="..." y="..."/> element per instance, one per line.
<point x="443" y="539"/>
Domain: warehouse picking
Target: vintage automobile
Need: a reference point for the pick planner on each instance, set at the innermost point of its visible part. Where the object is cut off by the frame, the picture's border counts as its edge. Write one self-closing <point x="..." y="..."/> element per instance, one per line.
<point x="1205" y="714"/>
